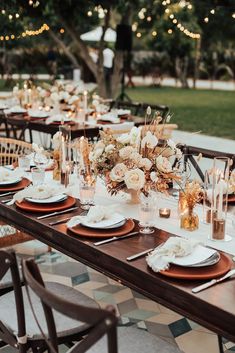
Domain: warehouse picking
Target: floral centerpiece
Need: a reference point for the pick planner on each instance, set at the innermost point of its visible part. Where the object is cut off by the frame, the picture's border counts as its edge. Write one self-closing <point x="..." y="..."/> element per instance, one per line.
<point x="135" y="161"/>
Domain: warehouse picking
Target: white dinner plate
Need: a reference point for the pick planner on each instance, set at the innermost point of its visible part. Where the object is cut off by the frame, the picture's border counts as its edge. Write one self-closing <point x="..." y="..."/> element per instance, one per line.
<point x="52" y="199"/>
<point x="11" y="181"/>
<point x="17" y="110"/>
<point x="115" y="221"/>
<point x="211" y="261"/>
<point x="200" y="254"/>
<point x="3" y="106"/>
<point x="60" y="117"/>
<point x="37" y="113"/>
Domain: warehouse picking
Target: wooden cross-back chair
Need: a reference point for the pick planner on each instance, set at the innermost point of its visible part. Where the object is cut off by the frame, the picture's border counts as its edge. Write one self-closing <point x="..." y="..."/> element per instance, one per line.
<point x="134" y="107"/>
<point x="16" y="127"/>
<point x="162" y="110"/>
<point x="11" y="149"/>
<point x="102" y="323"/>
<point x="191" y="153"/>
<point x="17" y="325"/>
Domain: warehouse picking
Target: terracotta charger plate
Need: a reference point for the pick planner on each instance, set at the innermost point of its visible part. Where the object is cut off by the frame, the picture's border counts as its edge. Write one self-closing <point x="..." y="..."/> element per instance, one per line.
<point x="231" y="198"/>
<point x="21" y="185"/>
<point x="189" y="273"/>
<point x="104" y="233"/>
<point x="50" y="207"/>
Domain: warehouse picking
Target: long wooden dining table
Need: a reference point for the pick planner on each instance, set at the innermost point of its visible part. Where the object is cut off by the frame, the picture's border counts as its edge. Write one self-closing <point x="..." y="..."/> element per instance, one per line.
<point x="213" y="308"/>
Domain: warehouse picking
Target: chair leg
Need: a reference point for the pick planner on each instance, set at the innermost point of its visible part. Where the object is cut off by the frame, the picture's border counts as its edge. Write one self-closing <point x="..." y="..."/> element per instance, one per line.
<point x="220" y="343"/>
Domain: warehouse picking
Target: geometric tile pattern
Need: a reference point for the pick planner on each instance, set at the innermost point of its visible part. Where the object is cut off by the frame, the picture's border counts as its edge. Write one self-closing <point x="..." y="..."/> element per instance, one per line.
<point x="132" y="308"/>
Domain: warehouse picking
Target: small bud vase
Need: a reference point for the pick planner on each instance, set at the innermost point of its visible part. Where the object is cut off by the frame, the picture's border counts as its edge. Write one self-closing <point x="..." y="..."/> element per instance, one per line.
<point x="189" y="220"/>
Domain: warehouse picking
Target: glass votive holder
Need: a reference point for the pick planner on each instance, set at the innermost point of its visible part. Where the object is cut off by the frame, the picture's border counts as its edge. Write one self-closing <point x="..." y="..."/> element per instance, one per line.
<point x="87" y="194"/>
<point x="24" y="163"/>
<point x="38" y="176"/>
<point x="164" y="212"/>
<point x="146" y="217"/>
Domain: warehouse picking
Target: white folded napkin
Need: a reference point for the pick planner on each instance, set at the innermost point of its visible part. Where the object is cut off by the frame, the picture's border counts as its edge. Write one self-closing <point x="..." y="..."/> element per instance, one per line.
<point x="40" y="192"/>
<point x="9" y="175"/>
<point x="161" y="257"/>
<point x="111" y="116"/>
<point x="95" y="214"/>
<point x="57" y="117"/>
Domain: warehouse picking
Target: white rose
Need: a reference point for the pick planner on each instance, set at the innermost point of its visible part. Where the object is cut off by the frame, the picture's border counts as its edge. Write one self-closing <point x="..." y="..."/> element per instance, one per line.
<point x="109" y="148"/>
<point x="99" y="145"/>
<point x="154" y="177"/>
<point x="55" y="97"/>
<point x="135" y="179"/>
<point x="98" y="152"/>
<point x="124" y="138"/>
<point x="149" y="140"/>
<point x="118" y="172"/>
<point x="146" y="163"/>
<point x="54" y="89"/>
<point x="163" y="164"/>
<point x="125" y="152"/>
<point x="73" y="99"/>
<point x="69" y="88"/>
<point x="136" y="157"/>
<point x="64" y="95"/>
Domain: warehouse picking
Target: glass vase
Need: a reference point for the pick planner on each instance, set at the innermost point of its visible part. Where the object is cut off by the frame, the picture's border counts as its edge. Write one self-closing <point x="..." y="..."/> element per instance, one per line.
<point x="189" y="220"/>
<point x="219" y="199"/>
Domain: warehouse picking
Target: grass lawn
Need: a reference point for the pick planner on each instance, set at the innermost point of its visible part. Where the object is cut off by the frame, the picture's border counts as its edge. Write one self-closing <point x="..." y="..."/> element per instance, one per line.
<point x="211" y="112"/>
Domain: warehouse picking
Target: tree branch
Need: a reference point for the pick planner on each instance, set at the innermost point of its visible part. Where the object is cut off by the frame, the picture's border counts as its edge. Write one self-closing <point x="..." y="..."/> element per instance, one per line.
<point x="67" y="52"/>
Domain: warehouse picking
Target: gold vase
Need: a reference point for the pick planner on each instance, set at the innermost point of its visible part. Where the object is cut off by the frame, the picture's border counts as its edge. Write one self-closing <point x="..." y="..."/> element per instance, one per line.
<point x="189" y="220"/>
<point x="57" y="165"/>
<point x="135" y="196"/>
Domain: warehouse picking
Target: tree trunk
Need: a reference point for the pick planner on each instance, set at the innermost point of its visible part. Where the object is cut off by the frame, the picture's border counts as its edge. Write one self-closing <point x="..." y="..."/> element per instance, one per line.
<point x="117" y="70"/>
<point x="181" y="69"/>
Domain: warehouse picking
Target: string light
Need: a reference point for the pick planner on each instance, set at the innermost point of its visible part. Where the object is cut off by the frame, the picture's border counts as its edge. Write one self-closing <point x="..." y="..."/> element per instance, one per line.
<point x="178" y="25"/>
<point x="29" y="33"/>
<point x="62" y="30"/>
<point x="138" y="35"/>
<point x="206" y="19"/>
<point x="154" y="33"/>
<point x="89" y="13"/>
<point x="233" y="15"/>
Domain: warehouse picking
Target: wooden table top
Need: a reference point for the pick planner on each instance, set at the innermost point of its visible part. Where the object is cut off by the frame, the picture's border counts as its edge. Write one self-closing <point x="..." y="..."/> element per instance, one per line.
<point x="213" y="308"/>
<point x="77" y="130"/>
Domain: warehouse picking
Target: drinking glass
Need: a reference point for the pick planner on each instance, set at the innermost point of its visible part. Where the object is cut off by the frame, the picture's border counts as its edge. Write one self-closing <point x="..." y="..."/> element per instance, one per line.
<point x="87" y="193"/>
<point x="38" y="176"/>
<point x="24" y="163"/>
<point x="146" y="215"/>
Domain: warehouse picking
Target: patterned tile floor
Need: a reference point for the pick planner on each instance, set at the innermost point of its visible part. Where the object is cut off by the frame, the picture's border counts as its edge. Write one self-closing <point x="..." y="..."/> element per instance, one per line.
<point x="133" y="308"/>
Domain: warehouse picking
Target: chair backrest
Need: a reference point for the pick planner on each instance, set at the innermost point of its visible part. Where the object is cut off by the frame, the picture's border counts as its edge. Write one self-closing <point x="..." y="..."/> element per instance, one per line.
<point x="191" y="153"/>
<point x="97" y="322"/>
<point x="132" y="106"/>
<point x="8" y="262"/>
<point x="11" y="149"/>
<point x="162" y="110"/>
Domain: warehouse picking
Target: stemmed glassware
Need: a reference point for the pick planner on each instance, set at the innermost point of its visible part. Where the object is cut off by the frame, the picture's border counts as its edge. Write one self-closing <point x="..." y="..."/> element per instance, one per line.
<point x="147" y="212"/>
